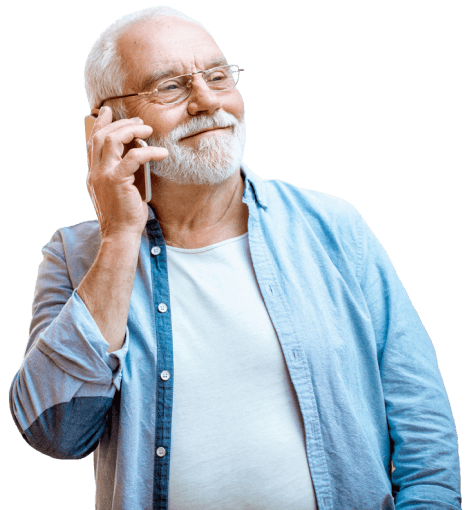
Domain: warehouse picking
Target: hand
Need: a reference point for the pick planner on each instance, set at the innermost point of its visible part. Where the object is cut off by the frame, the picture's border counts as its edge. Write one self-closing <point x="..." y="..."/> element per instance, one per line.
<point x="110" y="182"/>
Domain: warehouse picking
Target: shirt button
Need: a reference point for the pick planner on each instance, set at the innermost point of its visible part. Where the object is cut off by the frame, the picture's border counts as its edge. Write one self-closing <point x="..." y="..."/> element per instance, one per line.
<point x="162" y="307"/>
<point x="165" y="375"/>
<point x="156" y="250"/>
<point x="161" y="451"/>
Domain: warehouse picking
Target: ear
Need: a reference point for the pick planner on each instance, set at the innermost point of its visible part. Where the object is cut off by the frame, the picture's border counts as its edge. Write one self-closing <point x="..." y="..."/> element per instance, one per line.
<point x="95" y="112"/>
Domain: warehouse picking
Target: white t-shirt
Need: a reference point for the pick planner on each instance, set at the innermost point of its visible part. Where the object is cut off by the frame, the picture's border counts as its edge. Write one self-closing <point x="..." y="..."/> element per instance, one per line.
<point x="237" y="430"/>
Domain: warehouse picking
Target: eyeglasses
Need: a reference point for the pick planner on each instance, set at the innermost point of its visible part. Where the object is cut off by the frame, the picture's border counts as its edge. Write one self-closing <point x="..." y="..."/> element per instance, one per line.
<point x="178" y="89"/>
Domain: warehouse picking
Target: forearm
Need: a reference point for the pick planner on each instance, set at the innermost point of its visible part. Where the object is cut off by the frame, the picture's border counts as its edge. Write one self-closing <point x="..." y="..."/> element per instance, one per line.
<point x="66" y="384"/>
<point x="107" y="287"/>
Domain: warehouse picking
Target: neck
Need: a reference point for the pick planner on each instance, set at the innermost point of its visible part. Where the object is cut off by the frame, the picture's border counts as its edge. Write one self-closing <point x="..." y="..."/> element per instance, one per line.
<point x="194" y="216"/>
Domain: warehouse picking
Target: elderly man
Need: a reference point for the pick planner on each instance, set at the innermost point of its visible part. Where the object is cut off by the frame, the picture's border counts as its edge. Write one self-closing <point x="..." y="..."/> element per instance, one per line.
<point x="234" y="343"/>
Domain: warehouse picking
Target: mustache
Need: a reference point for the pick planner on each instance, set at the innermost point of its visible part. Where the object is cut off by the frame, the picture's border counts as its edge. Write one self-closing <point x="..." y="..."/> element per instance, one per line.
<point x="194" y="125"/>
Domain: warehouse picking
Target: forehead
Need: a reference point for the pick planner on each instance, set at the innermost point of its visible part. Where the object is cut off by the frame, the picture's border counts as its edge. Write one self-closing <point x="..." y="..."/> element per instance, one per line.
<point x="166" y="43"/>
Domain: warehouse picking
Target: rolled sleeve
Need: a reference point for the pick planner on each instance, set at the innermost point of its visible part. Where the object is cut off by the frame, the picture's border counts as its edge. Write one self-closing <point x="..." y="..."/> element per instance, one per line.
<point x="62" y="393"/>
<point x="75" y="344"/>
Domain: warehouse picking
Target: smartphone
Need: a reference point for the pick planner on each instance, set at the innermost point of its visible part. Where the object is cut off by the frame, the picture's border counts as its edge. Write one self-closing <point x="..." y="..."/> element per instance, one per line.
<point x="142" y="175"/>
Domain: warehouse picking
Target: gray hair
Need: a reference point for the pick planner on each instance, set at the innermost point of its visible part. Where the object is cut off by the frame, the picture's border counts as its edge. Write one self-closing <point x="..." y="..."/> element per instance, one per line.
<point x="104" y="70"/>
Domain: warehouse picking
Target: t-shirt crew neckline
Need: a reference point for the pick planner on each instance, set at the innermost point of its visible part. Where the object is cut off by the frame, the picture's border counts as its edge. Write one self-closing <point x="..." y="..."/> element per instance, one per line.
<point x="191" y="251"/>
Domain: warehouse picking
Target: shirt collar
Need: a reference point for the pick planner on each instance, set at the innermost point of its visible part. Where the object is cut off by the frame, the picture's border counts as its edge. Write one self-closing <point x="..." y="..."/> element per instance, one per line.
<point x="256" y="184"/>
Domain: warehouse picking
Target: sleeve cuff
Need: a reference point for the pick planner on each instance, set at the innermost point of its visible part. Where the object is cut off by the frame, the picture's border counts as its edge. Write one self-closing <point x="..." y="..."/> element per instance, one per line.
<point x="75" y="344"/>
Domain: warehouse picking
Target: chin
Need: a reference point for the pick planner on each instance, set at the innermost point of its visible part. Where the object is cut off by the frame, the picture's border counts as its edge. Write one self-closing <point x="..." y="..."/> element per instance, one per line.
<point x="212" y="161"/>
<point x="197" y="172"/>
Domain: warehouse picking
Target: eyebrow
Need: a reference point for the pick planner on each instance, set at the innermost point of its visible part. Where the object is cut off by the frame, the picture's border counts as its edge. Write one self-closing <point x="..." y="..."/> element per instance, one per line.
<point x="154" y="76"/>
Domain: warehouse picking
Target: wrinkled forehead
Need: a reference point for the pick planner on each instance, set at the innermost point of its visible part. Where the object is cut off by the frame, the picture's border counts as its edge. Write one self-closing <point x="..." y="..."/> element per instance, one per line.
<point x="167" y="41"/>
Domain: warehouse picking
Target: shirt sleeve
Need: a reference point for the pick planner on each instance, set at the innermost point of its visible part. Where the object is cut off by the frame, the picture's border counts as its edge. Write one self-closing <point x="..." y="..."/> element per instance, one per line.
<point x="60" y="397"/>
<point x="421" y="426"/>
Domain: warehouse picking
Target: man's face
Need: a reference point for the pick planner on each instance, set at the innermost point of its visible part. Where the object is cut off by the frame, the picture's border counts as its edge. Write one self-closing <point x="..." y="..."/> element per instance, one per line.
<point x="176" y="46"/>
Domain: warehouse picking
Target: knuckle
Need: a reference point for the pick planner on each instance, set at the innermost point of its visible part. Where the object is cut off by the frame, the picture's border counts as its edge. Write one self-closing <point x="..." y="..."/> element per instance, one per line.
<point x="133" y="153"/>
<point x="109" y="139"/>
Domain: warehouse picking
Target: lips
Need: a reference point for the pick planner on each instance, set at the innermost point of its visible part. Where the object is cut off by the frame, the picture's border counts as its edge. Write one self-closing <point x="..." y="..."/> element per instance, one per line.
<point x="205" y="131"/>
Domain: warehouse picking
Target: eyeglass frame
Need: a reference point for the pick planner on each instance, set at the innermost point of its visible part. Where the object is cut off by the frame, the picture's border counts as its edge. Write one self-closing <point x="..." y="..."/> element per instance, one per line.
<point x="169" y="79"/>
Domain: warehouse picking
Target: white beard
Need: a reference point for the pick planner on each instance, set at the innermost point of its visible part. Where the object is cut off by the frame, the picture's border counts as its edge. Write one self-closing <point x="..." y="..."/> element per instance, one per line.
<point x="213" y="161"/>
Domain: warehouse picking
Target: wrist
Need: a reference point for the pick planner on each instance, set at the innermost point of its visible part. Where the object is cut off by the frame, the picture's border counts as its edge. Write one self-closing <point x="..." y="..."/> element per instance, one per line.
<point x="120" y="249"/>
<point x="122" y="238"/>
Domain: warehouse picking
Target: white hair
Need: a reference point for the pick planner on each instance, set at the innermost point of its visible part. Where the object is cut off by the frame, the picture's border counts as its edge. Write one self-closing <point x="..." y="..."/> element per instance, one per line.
<point x="104" y="69"/>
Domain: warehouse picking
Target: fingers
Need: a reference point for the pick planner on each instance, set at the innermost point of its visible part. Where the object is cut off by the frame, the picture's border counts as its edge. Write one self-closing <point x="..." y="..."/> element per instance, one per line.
<point x="108" y="143"/>
<point x="110" y="181"/>
<point x="139" y="156"/>
<point x="103" y="118"/>
<point x="103" y="125"/>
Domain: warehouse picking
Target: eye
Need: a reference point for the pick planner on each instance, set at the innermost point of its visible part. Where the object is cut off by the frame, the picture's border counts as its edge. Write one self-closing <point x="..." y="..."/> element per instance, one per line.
<point x="170" y="86"/>
<point x="217" y="76"/>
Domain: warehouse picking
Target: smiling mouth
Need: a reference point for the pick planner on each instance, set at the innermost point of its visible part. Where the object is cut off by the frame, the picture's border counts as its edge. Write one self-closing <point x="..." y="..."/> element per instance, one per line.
<point x="205" y="131"/>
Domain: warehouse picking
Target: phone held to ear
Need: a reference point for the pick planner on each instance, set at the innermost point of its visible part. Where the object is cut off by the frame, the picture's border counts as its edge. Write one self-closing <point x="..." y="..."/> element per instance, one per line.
<point x="142" y="175"/>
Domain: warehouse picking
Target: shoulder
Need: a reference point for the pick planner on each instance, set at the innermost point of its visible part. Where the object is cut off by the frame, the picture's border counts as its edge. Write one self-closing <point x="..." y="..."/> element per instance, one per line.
<point x="79" y="238"/>
<point x="315" y="219"/>
<point x="322" y="211"/>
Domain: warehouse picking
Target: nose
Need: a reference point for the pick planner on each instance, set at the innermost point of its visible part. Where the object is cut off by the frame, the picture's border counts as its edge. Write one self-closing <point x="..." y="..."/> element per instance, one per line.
<point x="202" y="99"/>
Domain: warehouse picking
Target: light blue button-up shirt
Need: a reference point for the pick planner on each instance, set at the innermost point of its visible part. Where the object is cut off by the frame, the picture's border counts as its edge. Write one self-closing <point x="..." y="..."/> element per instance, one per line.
<point x="362" y="365"/>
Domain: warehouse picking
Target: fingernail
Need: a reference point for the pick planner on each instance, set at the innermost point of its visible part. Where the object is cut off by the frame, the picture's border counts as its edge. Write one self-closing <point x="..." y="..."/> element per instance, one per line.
<point x="136" y="119"/>
<point x="101" y="110"/>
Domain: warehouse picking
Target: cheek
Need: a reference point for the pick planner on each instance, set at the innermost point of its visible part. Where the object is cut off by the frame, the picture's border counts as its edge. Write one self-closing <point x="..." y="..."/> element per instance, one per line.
<point x="237" y="107"/>
<point x="161" y="120"/>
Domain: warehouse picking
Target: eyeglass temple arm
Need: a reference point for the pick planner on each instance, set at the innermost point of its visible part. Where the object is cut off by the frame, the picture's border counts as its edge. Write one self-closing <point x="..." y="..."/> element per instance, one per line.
<point x="121" y="97"/>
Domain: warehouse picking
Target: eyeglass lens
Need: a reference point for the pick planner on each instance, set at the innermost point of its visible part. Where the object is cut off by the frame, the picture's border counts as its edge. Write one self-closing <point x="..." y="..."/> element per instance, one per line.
<point x="219" y="78"/>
